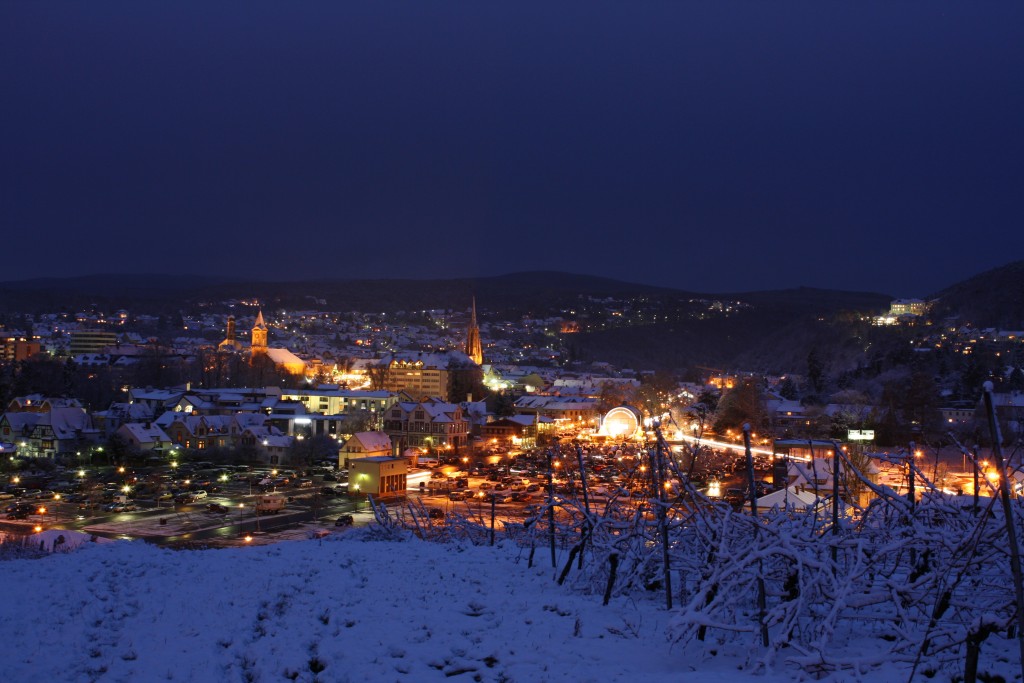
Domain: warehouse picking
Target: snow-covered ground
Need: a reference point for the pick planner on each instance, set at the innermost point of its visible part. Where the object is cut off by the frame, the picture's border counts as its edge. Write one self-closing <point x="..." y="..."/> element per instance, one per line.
<point x="342" y="609"/>
<point x="349" y="607"/>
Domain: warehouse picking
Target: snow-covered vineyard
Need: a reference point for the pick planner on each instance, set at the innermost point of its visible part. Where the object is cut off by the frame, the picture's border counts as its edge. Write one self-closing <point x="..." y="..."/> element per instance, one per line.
<point x="896" y="591"/>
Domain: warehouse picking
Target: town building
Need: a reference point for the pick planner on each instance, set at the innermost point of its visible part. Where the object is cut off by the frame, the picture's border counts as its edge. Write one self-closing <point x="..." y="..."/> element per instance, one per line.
<point x="517" y="431"/>
<point x="900" y="307"/>
<point x="283" y="359"/>
<point x="198" y="431"/>
<point x="59" y="432"/>
<point x="417" y="377"/>
<point x="144" y="436"/>
<point x="17" y="346"/>
<point x="378" y="476"/>
<point x="90" y="341"/>
<point x="431" y="424"/>
<point x="364" y="445"/>
<point x="564" y="410"/>
<point x="340" y="401"/>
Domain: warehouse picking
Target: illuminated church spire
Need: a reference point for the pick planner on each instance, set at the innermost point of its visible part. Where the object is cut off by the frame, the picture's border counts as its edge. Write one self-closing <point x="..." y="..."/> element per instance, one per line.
<point x="229" y="343"/>
<point x="474" y="349"/>
<point x="259" y="334"/>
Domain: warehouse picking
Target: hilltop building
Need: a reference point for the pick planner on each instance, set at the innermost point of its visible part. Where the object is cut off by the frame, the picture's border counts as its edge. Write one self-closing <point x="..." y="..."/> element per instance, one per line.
<point x="908" y="307"/>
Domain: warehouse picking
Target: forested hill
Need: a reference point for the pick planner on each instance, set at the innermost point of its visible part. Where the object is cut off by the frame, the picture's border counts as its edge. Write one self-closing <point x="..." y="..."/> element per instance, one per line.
<point x="994" y="298"/>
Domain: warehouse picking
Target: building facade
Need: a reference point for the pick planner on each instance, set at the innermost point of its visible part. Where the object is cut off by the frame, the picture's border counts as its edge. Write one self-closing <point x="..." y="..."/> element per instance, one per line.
<point x="379" y="476"/>
<point x="430" y="424"/>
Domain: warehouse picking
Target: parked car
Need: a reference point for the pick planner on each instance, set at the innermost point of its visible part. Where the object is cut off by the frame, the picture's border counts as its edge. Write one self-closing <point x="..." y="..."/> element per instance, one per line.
<point x="435" y="513"/>
<point x="218" y="508"/>
<point x="328" y="491"/>
<point x="344" y="520"/>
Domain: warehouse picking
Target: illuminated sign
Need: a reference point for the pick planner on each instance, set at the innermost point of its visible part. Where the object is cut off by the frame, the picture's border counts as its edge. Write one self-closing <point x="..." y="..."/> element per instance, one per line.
<point x="861" y="435"/>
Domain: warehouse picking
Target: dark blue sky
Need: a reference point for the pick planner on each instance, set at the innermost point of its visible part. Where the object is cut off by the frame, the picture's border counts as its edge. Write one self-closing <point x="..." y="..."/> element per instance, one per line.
<point x="714" y="146"/>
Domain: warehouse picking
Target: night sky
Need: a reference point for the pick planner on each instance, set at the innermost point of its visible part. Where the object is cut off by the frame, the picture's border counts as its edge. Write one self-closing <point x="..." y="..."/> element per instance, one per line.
<point x="709" y="146"/>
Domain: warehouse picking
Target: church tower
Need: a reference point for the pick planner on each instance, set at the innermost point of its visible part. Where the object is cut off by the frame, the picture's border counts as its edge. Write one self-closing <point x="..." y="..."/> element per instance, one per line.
<point x="259" y="335"/>
<point x="229" y="343"/>
<point x="474" y="349"/>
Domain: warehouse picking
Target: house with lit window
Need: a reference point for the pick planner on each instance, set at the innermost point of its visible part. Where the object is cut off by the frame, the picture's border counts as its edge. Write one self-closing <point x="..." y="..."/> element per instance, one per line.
<point x="57" y="432"/>
<point x="265" y="444"/>
<point x="144" y="436"/>
<point x="198" y="431"/>
<point x="364" y="445"/>
<point x="430" y="424"/>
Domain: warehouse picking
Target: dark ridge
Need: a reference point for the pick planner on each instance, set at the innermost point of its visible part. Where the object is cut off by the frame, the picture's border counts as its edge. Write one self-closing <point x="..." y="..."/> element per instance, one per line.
<point x="994" y="298"/>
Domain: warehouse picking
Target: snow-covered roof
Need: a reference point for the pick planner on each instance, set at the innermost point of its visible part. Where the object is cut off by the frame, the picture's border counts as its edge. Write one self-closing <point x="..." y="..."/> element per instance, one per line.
<point x="283" y="357"/>
<point x="373" y="441"/>
<point x="790" y="498"/>
<point x="143" y="433"/>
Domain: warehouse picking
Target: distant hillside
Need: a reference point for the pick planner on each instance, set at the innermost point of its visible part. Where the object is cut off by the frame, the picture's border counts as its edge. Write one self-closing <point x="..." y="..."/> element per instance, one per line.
<point x="994" y="298"/>
<point x="521" y="292"/>
<point x="771" y="331"/>
<point x="775" y="335"/>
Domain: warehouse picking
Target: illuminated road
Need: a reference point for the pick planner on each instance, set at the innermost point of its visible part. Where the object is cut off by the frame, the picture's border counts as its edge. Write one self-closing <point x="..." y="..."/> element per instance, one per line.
<point x="719" y="444"/>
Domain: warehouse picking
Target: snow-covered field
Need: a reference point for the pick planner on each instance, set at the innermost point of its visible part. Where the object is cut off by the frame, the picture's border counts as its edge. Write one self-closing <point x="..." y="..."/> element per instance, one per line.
<point x="343" y="609"/>
<point x="356" y="606"/>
